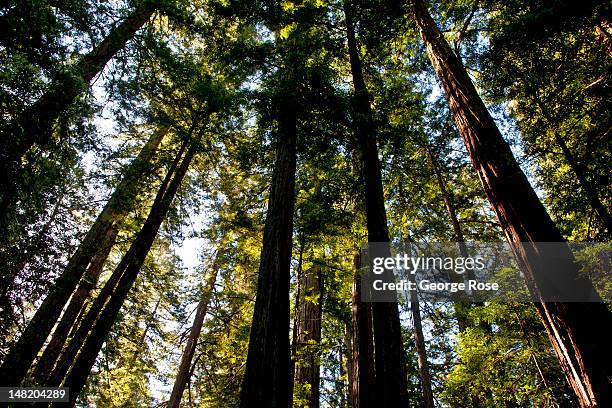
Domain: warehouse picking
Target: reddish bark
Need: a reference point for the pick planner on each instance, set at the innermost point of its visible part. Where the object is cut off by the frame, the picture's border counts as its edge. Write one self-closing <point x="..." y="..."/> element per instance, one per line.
<point x="583" y="355"/>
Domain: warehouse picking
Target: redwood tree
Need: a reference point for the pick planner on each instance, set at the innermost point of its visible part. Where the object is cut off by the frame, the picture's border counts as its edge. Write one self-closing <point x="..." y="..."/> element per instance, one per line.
<point x="34" y="126"/>
<point x="128" y="269"/>
<point x="309" y="306"/>
<point x="584" y="357"/>
<point x="391" y="382"/>
<point x="21" y="356"/>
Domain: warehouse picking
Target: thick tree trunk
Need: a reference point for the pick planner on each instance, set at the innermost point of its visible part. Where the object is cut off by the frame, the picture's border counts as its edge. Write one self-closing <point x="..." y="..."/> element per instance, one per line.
<point x="391" y="379"/>
<point x="363" y="387"/>
<point x="309" y="335"/>
<point x="34" y="126"/>
<point x="79" y="335"/>
<point x="583" y="355"/>
<point x="129" y="268"/>
<point x="45" y="364"/>
<point x="266" y="378"/>
<point x="184" y="372"/>
<point x="22" y="354"/>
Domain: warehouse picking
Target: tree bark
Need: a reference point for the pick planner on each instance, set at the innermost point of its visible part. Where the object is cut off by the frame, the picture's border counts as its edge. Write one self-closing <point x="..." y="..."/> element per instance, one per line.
<point x="296" y="320"/>
<point x="22" y="354"/>
<point x="184" y="372"/>
<point x="583" y="355"/>
<point x="309" y="335"/>
<point x="350" y="380"/>
<point x="391" y="382"/>
<point x="80" y="333"/>
<point x="45" y="364"/>
<point x="362" y="353"/>
<point x="266" y="378"/>
<point x="129" y="267"/>
<point x="419" y="340"/>
<point x="34" y="125"/>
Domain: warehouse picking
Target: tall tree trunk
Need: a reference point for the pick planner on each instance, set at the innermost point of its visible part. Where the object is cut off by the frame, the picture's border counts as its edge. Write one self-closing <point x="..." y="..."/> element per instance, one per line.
<point x="45" y="364"/>
<point x="350" y="379"/>
<point x="34" y="125"/>
<point x="583" y="355"/>
<point x="419" y="340"/>
<point x="266" y="378"/>
<point x="309" y="335"/>
<point x="129" y="268"/>
<point x="296" y="321"/>
<point x="22" y="354"/>
<point x="184" y="371"/>
<point x="363" y="387"/>
<point x="462" y="308"/>
<point x="79" y="335"/>
<point x="391" y="379"/>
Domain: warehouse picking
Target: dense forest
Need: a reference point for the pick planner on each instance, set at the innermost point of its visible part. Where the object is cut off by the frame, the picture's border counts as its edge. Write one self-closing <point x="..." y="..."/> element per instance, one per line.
<point x="186" y="188"/>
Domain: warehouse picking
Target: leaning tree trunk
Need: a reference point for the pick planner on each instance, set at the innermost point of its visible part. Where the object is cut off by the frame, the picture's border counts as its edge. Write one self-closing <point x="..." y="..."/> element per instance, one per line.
<point x="69" y="319"/>
<point x="22" y="354"/>
<point x="309" y="335"/>
<point x="184" y="371"/>
<point x="34" y="125"/>
<point x="587" y="187"/>
<point x="266" y="377"/>
<point x="462" y="308"/>
<point x="583" y="355"/>
<point x="391" y="379"/>
<point x="363" y="387"/>
<point x="129" y="267"/>
<point x="79" y="334"/>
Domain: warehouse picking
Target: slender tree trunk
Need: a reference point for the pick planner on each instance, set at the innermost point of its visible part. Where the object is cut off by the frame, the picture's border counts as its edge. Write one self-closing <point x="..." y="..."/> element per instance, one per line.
<point x="266" y="378"/>
<point x="130" y="266"/>
<point x="296" y="322"/>
<point x="391" y="379"/>
<point x="79" y="335"/>
<point x="184" y="372"/>
<point x="34" y="126"/>
<point x="419" y="340"/>
<point x="363" y="387"/>
<point x="583" y="355"/>
<point x="342" y="369"/>
<point x="23" y="353"/>
<point x="142" y="341"/>
<point x="350" y="379"/>
<point x="462" y="308"/>
<point x="587" y="187"/>
<point x="45" y="364"/>
<point x="309" y="335"/>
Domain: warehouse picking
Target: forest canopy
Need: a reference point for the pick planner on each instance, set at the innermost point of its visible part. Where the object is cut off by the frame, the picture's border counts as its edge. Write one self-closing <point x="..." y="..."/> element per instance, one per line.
<point x="186" y="188"/>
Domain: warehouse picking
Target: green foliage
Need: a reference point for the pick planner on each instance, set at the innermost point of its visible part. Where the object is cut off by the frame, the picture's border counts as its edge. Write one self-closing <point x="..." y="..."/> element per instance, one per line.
<point x="506" y="362"/>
